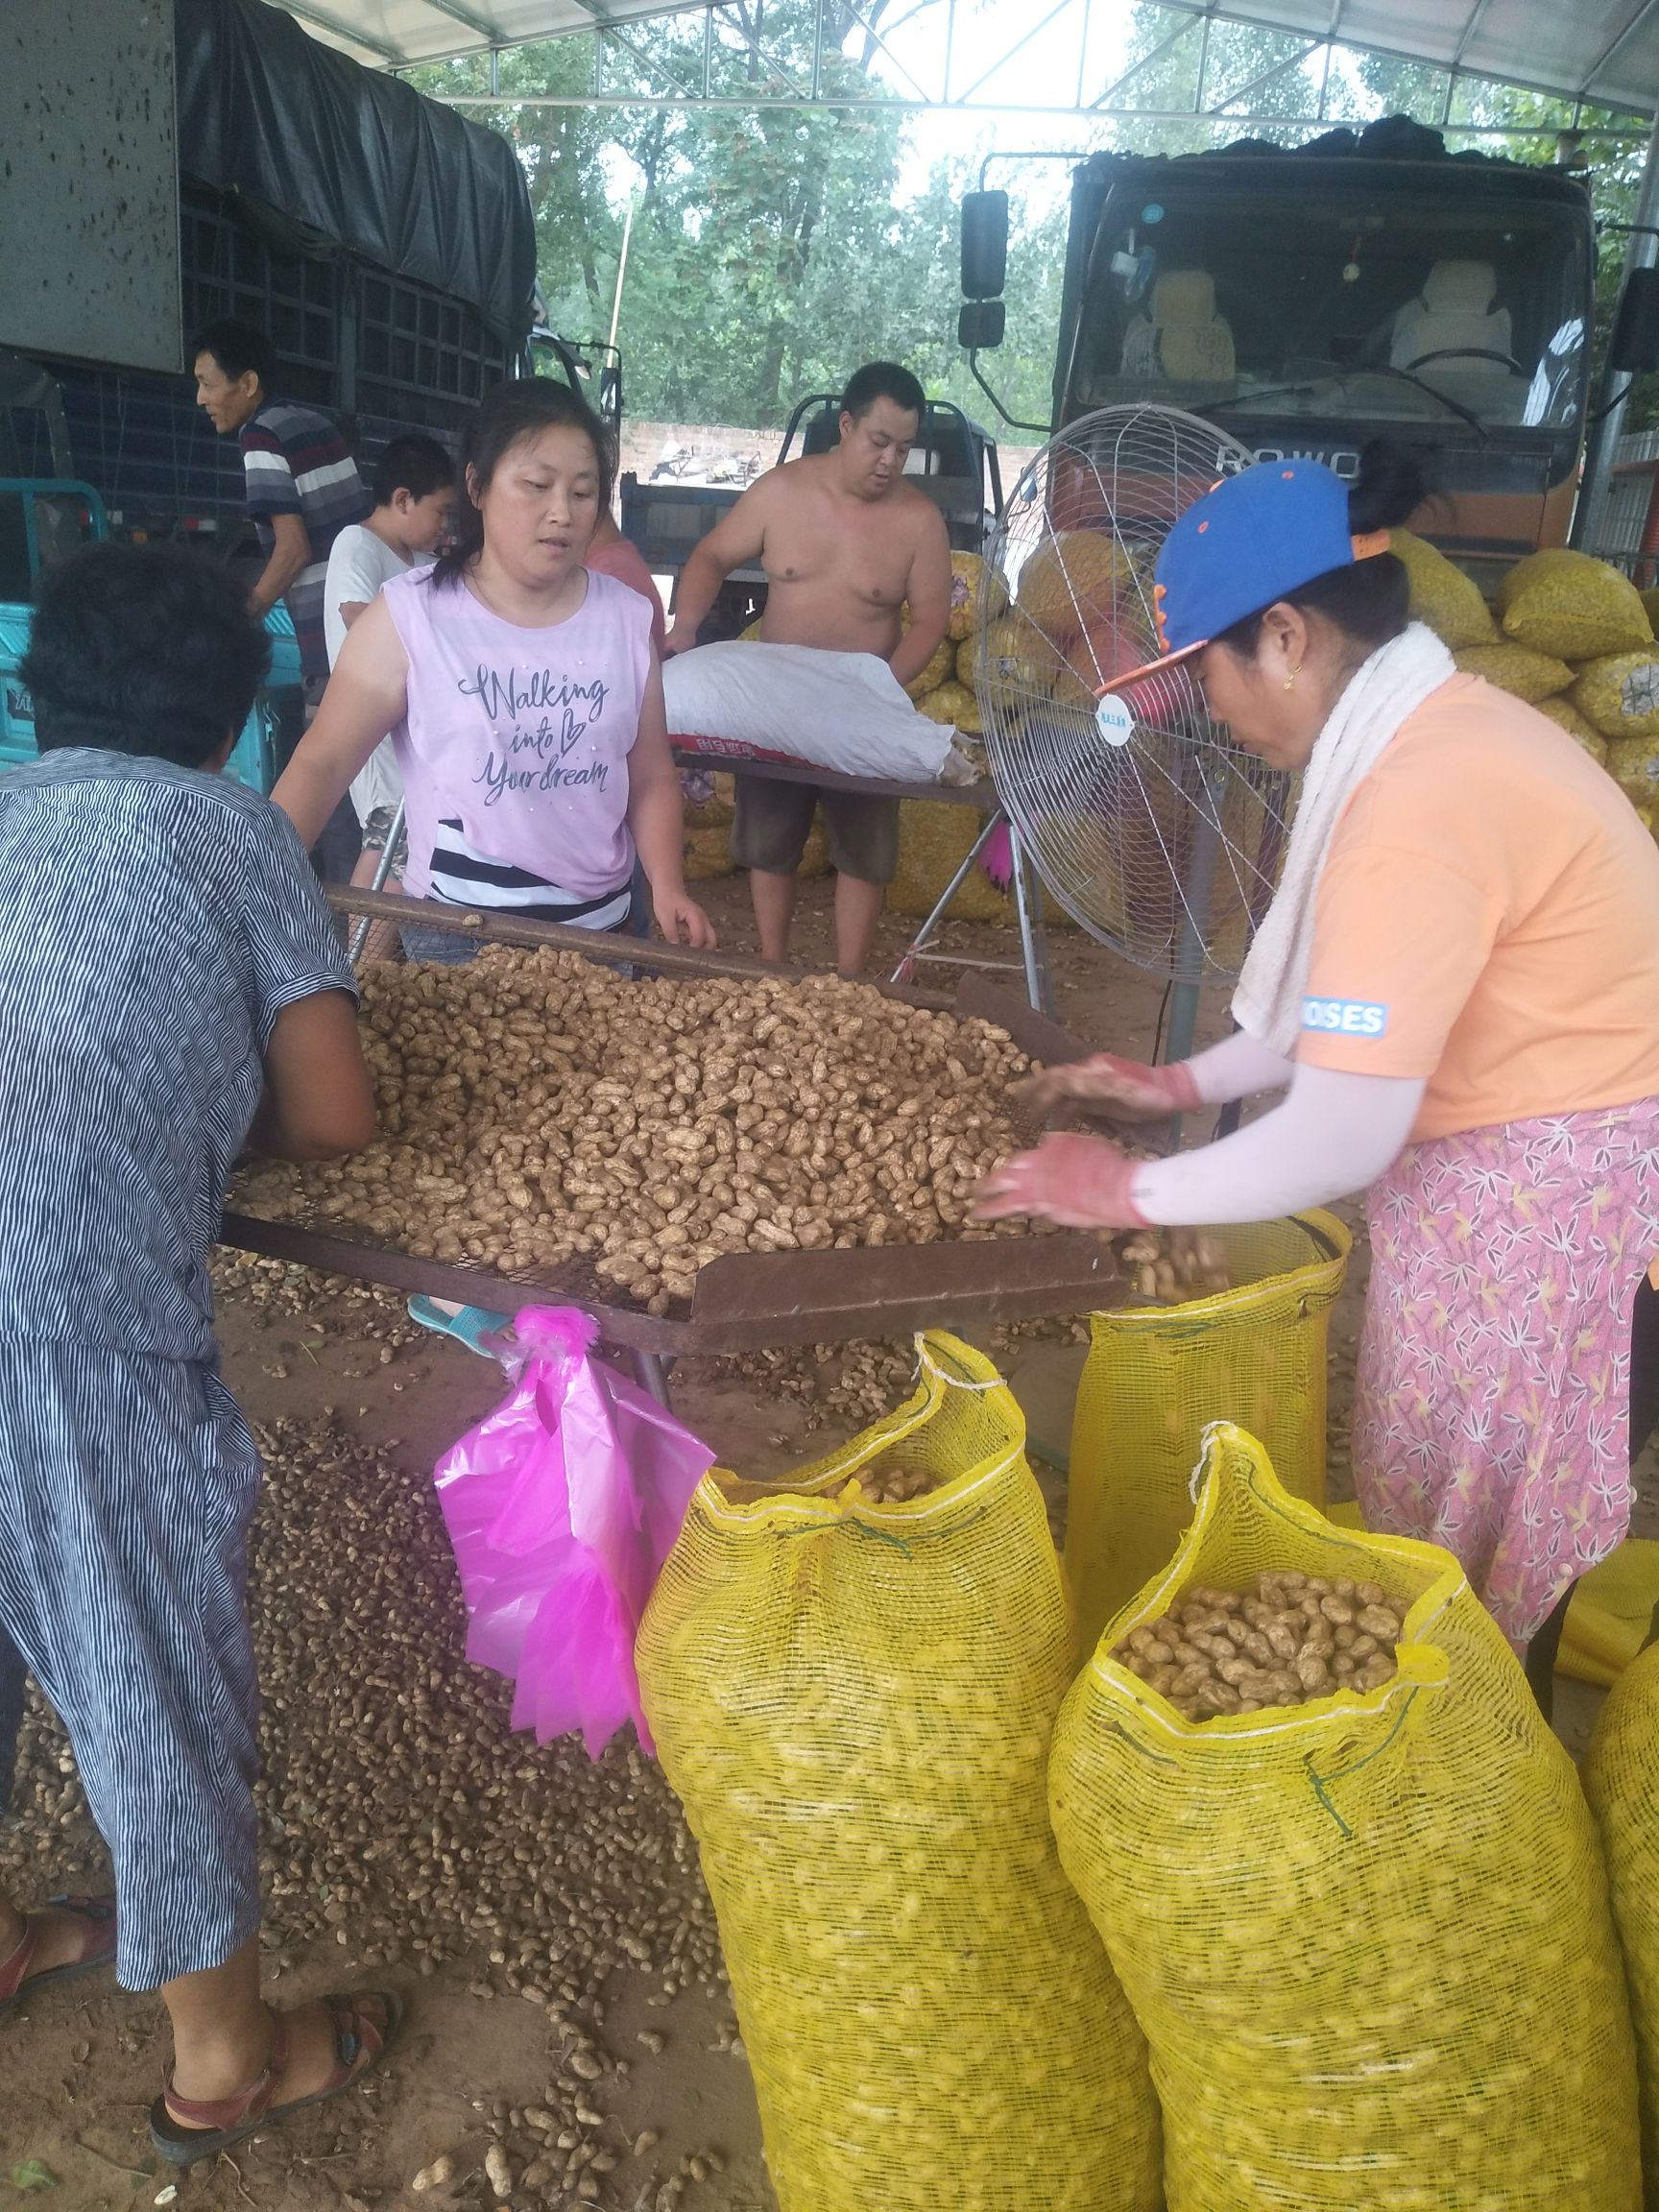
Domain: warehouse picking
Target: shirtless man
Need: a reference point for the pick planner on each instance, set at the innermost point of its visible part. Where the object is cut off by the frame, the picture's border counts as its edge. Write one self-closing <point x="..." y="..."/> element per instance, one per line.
<point x="844" y="542"/>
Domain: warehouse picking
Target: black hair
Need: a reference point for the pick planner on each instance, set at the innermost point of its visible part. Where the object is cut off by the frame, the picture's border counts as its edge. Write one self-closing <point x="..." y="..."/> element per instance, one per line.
<point x="1368" y="600"/>
<point x="237" y="347"/>
<point x="148" y="649"/>
<point x="882" y="380"/>
<point x="415" y="465"/>
<point x="519" y="409"/>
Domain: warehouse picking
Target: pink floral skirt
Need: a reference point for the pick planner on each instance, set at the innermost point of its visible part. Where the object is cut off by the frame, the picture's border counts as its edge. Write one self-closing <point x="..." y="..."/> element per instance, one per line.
<point x="1492" y="1402"/>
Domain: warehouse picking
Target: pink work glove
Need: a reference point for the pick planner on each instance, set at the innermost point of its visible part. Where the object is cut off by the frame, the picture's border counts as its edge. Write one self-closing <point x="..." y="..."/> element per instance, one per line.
<point x="1078" y="1182"/>
<point x="1119" y="1089"/>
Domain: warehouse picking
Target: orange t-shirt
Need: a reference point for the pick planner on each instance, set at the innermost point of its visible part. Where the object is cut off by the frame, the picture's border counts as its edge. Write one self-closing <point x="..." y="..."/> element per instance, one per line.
<point x="1489" y="918"/>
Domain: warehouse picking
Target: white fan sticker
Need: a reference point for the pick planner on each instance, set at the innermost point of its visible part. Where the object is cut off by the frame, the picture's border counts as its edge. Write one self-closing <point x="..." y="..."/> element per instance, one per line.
<point x="1114" y="721"/>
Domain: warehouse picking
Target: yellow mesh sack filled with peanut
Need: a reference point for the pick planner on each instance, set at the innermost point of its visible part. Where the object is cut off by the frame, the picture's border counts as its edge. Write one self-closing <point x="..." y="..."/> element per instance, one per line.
<point x="1157" y="1376"/>
<point x="1583" y="735"/>
<point x="1622" y="1782"/>
<point x="1367" y="1936"/>
<point x="707" y="834"/>
<point x="1620" y="695"/>
<point x="1442" y="595"/>
<point x="1516" y="669"/>
<point x="1571" y="605"/>
<point x="934" y="839"/>
<point x="852" y="1678"/>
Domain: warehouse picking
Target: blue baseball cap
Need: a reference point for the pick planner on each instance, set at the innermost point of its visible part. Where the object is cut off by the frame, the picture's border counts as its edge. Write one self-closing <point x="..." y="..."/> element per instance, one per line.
<point x="1249" y="541"/>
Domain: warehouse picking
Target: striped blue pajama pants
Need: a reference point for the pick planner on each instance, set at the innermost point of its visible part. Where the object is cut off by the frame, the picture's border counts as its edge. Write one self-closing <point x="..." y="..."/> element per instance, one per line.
<point x="126" y="1485"/>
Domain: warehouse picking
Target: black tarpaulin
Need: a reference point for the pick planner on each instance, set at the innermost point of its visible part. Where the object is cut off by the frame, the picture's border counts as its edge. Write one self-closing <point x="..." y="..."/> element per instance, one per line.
<point x="358" y="159"/>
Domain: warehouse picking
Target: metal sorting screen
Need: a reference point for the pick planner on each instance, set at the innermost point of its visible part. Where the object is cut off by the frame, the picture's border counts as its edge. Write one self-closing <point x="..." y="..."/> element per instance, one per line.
<point x="1156" y="833"/>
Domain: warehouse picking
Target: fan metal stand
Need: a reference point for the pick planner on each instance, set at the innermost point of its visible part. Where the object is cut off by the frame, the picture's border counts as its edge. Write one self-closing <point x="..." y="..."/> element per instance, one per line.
<point x="1033" y="961"/>
<point x="1187" y="980"/>
<point x="390" y="853"/>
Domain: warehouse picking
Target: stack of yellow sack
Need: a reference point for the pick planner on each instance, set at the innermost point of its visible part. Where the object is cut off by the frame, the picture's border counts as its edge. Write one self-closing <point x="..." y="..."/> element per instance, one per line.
<point x="1571" y="636"/>
<point x="708" y="831"/>
<point x="945" y="689"/>
<point x="1583" y="611"/>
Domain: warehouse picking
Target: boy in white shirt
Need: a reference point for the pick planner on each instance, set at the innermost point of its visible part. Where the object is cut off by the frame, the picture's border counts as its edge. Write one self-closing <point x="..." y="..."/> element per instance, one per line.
<point x="414" y="493"/>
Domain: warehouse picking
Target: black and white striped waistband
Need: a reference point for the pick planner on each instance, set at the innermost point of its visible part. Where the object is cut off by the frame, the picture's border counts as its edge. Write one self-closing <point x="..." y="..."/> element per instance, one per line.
<point x="464" y="877"/>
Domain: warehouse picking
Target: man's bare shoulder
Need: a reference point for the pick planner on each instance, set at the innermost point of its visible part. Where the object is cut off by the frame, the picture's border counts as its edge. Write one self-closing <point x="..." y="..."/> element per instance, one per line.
<point x="918" y="515"/>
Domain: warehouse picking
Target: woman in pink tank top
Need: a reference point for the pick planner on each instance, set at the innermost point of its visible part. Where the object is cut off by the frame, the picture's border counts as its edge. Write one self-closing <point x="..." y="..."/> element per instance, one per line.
<point x="521" y="691"/>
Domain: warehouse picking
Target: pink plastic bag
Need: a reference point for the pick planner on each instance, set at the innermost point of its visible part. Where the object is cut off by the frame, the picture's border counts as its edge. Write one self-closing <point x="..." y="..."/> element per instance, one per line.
<point x="561" y="1505"/>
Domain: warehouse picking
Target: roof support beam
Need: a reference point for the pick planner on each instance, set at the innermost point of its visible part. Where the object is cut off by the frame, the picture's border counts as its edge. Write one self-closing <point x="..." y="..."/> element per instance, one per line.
<point x="1466" y="36"/>
<point x="1267" y="76"/>
<point x="1642" y="13"/>
<point x="466" y="20"/>
<point x="1019" y="46"/>
<point x="876" y="40"/>
<point x="1152" y="53"/>
<point x="1634" y="134"/>
<point x="337" y="28"/>
<point x="617" y="37"/>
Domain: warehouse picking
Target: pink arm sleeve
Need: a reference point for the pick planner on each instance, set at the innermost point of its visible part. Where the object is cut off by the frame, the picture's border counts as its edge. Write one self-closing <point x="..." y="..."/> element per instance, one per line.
<point x="1335" y="1134"/>
<point x="1237" y="1068"/>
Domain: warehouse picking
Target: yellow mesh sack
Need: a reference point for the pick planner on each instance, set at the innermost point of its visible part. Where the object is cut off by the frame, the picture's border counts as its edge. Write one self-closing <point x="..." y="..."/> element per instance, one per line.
<point x="854" y="1702"/>
<point x="933" y="842"/>
<point x="1615" y="1609"/>
<point x="1619" y="696"/>
<point x="707" y="834"/>
<point x="1621" y="1781"/>
<point x="937" y="669"/>
<point x="1571" y="605"/>
<point x="1516" y="669"/>
<point x="1442" y="595"/>
<point x="1583" y="735"/>
<point x="1158" y="1376"/>
<point x="1368" y="1937"/>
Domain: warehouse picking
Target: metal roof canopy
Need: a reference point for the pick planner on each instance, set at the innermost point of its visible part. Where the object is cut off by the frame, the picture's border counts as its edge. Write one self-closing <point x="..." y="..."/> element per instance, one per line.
<point x="1600" y="52"/>
<point x="393" y="34"/>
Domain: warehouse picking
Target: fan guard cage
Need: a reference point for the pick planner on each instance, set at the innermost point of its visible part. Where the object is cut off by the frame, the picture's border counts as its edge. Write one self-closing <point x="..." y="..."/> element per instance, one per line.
<point x="1165" y="846"/>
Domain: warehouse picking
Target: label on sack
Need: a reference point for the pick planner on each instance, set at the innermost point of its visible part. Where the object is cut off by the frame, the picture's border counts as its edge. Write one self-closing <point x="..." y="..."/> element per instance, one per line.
<point x="1344" y="1017"/>
<point x="1639" y="694"/>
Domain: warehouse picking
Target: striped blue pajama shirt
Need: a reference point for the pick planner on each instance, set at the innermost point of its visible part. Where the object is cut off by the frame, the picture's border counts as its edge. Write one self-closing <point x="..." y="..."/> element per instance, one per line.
<point x="154" y="922"/>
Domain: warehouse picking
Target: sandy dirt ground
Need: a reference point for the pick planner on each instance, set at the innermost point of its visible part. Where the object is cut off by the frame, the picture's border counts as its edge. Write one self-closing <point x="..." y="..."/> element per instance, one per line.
<point x="542" y="1917"/>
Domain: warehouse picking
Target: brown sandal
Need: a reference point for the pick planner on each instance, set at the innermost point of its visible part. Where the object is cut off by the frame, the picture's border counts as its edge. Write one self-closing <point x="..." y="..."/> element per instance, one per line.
<point x="16" y="1981"/>
<point x="186" y="2129"/>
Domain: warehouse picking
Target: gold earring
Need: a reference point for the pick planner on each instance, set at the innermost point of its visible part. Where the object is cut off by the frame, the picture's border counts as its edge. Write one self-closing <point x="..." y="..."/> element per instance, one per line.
<point x="1290" y="679"/>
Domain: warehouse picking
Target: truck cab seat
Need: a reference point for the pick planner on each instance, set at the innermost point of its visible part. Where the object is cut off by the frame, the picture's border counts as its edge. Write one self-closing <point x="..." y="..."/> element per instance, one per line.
<point x="1181" y="339"/>
<point x="1453" y="316"/>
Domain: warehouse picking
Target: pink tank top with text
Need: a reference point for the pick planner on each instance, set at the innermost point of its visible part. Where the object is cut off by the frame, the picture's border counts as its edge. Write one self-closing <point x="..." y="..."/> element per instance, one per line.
<point x="521" y="736"/>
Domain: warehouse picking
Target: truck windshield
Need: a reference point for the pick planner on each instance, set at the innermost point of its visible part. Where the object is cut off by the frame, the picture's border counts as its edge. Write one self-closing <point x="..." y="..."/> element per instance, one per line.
<point x="1373" y="305"/>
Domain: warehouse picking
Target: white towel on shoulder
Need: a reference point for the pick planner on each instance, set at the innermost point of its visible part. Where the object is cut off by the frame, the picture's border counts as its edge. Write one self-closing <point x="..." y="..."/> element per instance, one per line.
<point x="1391" y="684"/>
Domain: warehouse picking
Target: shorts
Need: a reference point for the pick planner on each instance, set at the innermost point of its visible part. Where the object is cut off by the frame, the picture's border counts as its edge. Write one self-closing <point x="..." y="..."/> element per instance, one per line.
<point x="773" y="820"/>
<point x="377" y="827"/>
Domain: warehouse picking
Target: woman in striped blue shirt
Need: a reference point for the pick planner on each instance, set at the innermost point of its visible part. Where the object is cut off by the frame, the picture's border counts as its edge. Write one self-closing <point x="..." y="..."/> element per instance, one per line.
<point x="171" y="987"/>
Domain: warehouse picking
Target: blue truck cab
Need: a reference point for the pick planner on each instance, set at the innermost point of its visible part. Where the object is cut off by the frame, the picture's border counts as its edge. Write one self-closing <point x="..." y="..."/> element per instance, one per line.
<point x="41" y="521"/>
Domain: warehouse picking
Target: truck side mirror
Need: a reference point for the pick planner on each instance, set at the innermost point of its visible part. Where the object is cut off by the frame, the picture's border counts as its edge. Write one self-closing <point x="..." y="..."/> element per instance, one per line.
<point x="1635" y="345"/>
<point x="984" y="245"/>
<point x="980" y="325"/>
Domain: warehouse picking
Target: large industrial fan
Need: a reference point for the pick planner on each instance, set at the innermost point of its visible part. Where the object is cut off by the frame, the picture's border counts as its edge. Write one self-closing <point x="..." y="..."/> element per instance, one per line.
<point x="1149" y="827"/>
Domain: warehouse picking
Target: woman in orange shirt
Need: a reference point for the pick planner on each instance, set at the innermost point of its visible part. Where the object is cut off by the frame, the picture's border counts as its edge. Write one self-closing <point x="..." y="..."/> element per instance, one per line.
<point x="1458" y="989"/>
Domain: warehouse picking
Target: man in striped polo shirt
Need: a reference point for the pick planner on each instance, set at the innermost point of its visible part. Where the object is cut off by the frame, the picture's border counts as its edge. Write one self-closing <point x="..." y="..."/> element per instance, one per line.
<point x="303" y="490"/>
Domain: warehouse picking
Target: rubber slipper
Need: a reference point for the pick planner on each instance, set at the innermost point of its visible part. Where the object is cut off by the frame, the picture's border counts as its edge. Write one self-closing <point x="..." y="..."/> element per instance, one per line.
<point x="183" y="2129"/>
<point x="16" y="1982"/>
<point x="481" y="1332"/>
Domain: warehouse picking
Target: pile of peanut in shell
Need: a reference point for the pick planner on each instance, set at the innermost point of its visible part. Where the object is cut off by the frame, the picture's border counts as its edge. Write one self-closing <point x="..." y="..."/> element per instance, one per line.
<point x="1287" y="1640"/>
<point x="538" y="1110"/>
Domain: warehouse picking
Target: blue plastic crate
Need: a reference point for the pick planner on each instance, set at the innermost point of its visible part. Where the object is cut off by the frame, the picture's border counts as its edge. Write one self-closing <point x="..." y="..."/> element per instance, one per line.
<point x="252" y="762"/>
